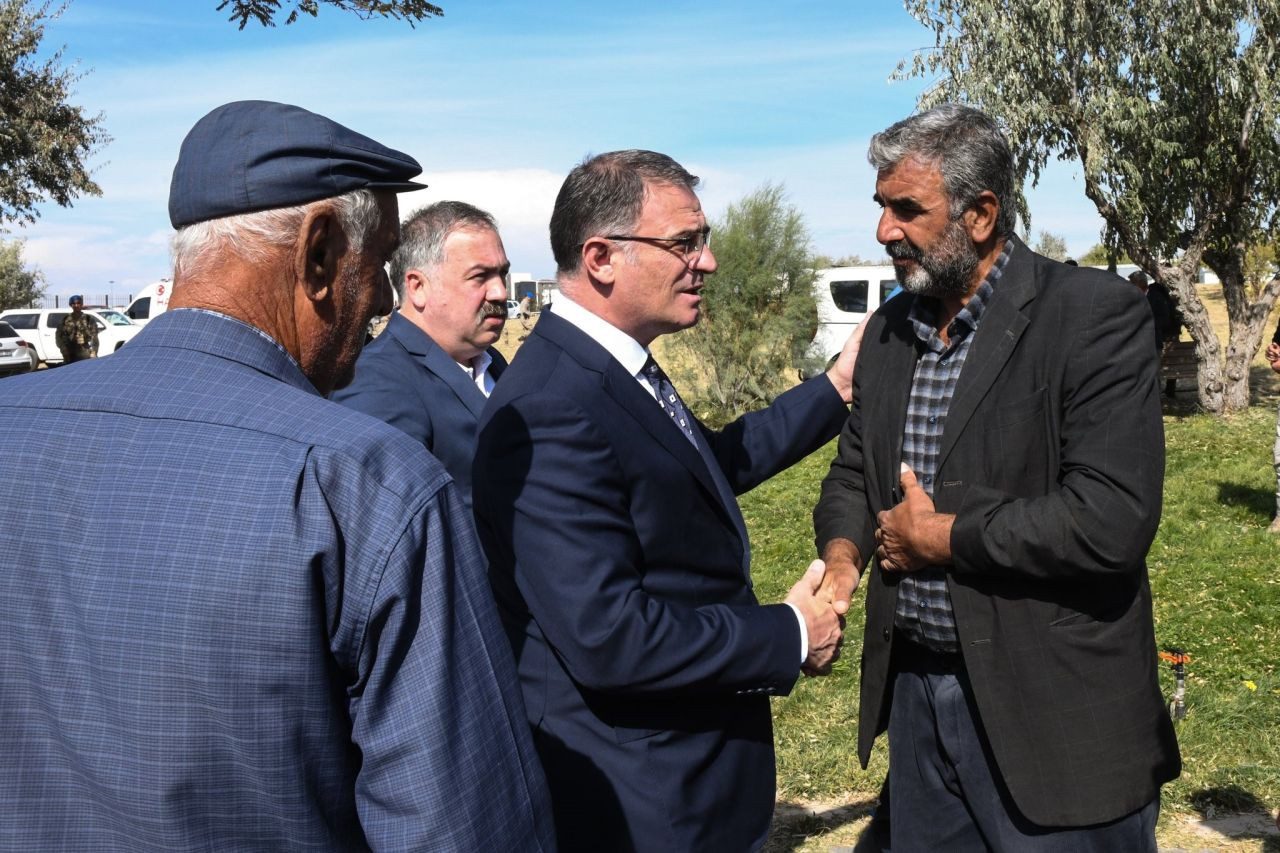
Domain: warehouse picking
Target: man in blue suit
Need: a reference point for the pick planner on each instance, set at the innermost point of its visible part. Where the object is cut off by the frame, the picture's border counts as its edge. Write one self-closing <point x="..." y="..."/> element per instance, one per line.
<point x="431" y="370"/>
<point x="617" y="552"/>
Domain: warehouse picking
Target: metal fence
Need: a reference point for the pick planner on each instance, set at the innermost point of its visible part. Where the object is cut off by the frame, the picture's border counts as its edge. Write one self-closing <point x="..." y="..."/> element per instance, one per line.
<point x="91" y="300"/>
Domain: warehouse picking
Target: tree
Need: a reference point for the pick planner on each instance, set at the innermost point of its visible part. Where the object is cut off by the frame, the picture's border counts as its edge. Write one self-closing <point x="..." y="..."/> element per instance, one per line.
<point x="1051" y="246"/>
<point x="19" y="286"/>
<point x="1170" y="107"/>
<point x="266" y="11"/>
<point x="44" y="139"/>
<point x="759" y="312"/>
<point x="854" y="260"/>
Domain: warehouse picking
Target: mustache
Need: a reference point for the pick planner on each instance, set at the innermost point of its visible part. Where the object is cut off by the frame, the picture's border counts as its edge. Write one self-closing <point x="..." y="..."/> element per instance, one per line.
<point x="901" y="250"/>
<point x="493" y="309"/>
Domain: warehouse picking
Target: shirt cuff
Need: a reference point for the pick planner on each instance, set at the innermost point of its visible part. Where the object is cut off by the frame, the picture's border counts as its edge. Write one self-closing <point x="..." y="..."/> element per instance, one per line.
<point x="804" y="634"/>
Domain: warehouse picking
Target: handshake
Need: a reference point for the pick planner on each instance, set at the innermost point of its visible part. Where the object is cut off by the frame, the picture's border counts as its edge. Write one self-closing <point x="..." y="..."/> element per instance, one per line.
<point x="821" y="597"/>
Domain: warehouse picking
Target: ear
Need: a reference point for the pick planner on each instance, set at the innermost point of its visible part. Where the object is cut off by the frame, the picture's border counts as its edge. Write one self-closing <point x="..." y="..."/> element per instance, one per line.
<point x="980" y="218"/>
<point x="320" y="246"/>
<point x="597" y="260"/>
<point x="415" y="289"/>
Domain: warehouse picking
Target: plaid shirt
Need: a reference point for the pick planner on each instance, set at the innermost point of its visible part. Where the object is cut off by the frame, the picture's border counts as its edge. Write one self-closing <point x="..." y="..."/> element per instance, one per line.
<point x="923" y="610"/>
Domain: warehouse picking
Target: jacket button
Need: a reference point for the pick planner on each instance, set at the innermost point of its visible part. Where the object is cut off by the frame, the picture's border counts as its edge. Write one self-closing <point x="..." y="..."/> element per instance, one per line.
<point x="886" y="635"/>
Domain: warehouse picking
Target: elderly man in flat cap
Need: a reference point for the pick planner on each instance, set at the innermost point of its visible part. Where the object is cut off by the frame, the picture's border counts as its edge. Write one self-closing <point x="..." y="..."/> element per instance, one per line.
<point x="290" y="642"/>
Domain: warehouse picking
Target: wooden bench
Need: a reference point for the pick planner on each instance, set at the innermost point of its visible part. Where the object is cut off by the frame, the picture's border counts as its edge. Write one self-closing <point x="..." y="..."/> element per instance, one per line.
<point x="1177" y="361"/>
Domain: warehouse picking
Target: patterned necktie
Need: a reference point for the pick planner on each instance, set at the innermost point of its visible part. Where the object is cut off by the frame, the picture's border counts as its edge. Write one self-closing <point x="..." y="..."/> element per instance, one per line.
<point x="668" y="399"/>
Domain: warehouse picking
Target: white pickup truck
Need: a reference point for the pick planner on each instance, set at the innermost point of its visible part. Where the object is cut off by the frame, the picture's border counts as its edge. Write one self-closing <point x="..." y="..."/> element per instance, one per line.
<point x="39" y="328"/>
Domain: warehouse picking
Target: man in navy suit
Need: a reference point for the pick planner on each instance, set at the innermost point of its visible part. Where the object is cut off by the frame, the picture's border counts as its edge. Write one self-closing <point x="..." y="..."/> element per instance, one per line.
<point x="431" y="370"/>
<point x="617" y="552"/>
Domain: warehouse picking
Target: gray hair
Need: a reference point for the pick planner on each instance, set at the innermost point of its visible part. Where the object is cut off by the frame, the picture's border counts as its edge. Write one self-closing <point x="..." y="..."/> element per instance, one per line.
<point x="251" y="236"/>
<point x="968" y="148"/>
<point x="422" y="236"/>
<point x="605" y="194"/>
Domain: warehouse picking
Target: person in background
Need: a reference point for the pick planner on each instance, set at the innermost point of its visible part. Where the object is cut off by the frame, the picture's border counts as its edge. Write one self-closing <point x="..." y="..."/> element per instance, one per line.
<point x="77" y="335"/>
<point x="430" y="371"/>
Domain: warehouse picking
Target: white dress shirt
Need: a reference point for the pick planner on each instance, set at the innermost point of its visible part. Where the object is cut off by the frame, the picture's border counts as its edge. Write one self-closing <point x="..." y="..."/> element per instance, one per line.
<point x="478" y="370"/>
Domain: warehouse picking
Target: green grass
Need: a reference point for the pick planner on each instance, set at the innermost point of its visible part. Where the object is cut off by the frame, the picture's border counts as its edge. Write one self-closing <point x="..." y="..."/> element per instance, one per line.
<point x="1215" y="575"/>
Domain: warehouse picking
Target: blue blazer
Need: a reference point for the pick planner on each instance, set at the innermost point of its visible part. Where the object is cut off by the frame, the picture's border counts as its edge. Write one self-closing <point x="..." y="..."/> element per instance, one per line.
<point x="405" y="379"/>
<point x="621" y="566"/>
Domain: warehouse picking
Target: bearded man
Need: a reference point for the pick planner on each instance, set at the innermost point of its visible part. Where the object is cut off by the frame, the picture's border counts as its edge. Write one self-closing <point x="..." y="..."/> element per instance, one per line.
<point x="1004" y="461"/>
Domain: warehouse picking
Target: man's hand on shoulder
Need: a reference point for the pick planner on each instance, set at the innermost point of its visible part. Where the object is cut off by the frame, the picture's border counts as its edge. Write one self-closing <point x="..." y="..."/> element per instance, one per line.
<point x="912" y="535"/>
<point x="841" y="373"/>
<point x="825" y="629"/>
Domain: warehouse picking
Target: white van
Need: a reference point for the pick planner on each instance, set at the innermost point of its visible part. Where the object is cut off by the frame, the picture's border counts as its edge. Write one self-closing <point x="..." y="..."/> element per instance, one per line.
<point x="845" y="296"/>
<point x="153" y="300"/>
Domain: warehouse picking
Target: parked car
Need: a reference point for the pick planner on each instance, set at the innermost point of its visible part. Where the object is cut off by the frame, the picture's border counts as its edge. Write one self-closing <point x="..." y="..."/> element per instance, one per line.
<point x="16" y="355"/>
<point x="845" y="296"/>
<point x="39" y="327"/>
<point x="513" y="310"/>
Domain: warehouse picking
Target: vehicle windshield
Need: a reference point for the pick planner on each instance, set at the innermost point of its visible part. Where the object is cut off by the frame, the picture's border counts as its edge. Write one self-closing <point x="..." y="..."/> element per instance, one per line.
<point x="115" y="318"/>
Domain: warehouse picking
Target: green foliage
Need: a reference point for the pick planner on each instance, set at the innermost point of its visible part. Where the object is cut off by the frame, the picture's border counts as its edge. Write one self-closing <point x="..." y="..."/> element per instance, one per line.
<point x="19" y="286"/>
<point x="1215" y="594"/>
<point x="854" y="260"/>
<point x="759" y="312"/>
<point x="1051" y="246"/>
<point x="1171" y="108"/>
<point x="265" y="12"/>
<point x="44" y="140"/>
<point x="1260" y="267"/>
<point x="1100" y="256"/>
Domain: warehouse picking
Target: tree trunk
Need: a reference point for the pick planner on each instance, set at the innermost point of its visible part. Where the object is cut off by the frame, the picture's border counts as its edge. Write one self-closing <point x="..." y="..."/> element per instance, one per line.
<point x="1210" y="387"/>
<point x="1246" y="323"/>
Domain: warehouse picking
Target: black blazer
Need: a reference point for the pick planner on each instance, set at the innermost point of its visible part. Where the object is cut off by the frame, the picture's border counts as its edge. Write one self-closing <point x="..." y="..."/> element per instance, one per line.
<point x="405" y="379"/>
<point x="620" y="563"/>
<point x="1052" y="460"/>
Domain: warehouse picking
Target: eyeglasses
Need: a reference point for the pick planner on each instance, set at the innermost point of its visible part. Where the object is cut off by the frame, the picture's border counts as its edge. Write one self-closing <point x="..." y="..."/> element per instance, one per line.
<point x="690" y="247"/>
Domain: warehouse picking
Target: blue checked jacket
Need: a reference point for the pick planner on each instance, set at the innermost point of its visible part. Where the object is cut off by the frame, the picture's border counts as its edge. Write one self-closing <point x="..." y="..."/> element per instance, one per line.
<point x="234" y="615"/>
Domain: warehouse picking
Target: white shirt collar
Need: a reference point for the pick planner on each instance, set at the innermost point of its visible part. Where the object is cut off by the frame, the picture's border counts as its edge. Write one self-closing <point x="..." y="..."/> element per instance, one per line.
<point x="625" y="349"/>
<point x="478" y="370"/>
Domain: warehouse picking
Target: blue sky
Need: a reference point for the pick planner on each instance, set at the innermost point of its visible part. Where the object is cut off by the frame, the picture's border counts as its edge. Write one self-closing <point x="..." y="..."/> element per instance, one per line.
<point x="498" y="100"/>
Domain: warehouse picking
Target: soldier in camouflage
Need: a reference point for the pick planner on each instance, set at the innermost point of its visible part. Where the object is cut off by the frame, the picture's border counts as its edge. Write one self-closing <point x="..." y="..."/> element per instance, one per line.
<point x="78" y="335"/>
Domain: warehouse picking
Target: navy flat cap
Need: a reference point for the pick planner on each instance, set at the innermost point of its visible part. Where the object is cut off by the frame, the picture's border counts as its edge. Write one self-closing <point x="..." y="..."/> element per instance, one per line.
<point x="256" y="155"/>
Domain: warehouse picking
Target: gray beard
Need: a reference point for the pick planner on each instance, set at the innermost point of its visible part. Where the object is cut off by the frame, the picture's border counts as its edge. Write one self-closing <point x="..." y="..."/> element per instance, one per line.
<point x="945" y="270"/>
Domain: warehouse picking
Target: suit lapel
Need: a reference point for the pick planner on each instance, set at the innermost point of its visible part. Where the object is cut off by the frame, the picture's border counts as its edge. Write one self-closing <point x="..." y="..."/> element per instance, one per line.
<point x="1002" y="324"/>
<point x="428" y="353"/>
<point x="625" y="390"/>
<point x="885" y="399"/>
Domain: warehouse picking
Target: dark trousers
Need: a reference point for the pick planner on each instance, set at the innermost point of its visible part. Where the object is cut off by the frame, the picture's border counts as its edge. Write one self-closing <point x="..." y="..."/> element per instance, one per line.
<point x="945" y="787"/>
